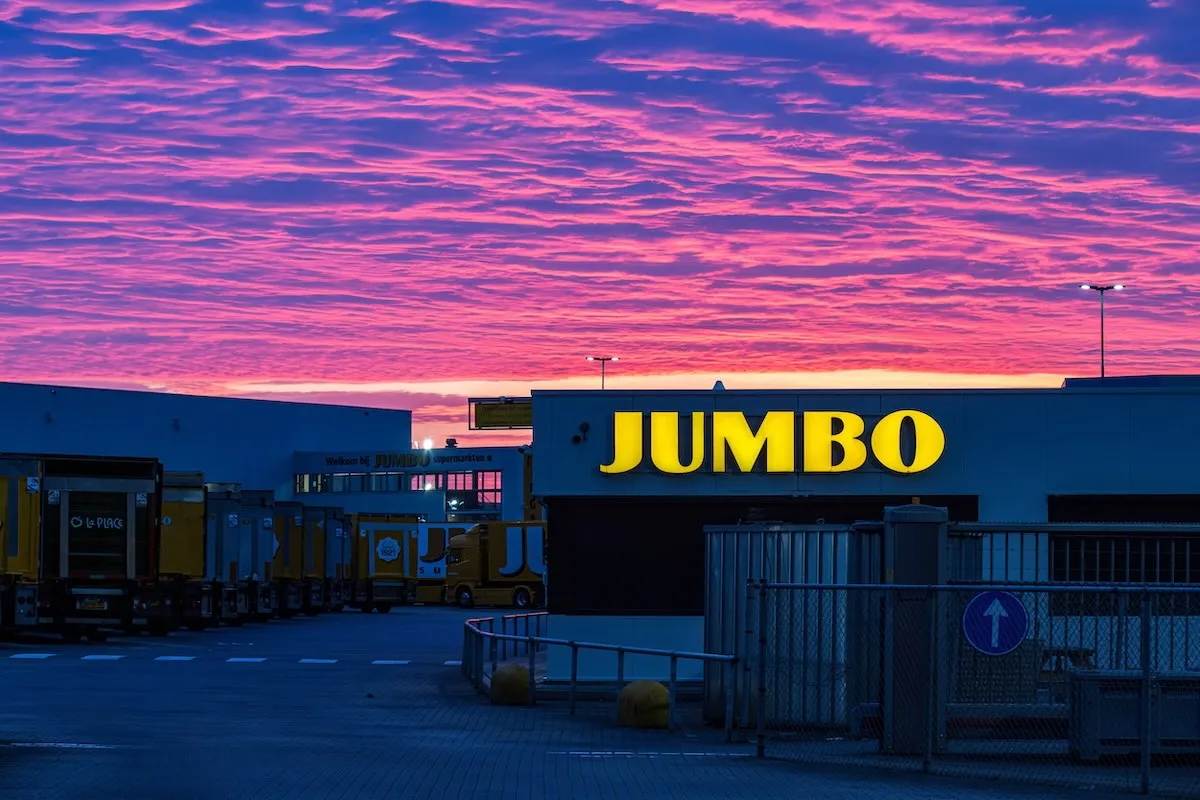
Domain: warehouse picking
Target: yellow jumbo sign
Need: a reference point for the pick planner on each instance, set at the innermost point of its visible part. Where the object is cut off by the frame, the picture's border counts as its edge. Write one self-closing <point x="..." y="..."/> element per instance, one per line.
<point x="732" y="435"/>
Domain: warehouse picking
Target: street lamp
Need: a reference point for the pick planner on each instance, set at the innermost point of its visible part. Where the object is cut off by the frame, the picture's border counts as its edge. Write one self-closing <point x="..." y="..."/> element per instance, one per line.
<point x="1103" y="290"/>
<point x="603" y="363"/>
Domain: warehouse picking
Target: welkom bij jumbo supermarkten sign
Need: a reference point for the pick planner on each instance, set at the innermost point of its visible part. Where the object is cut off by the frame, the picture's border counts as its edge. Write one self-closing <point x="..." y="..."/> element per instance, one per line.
<point x="903" y="442"/>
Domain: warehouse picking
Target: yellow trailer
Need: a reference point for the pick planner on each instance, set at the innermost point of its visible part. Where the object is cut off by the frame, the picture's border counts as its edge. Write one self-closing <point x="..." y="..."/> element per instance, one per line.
<point x="20" y="504"/>
<point x="497" y="564"/>
<point x="181" y="560"/>
<point x="383" y="561"/>
<point x="287" y="566"/>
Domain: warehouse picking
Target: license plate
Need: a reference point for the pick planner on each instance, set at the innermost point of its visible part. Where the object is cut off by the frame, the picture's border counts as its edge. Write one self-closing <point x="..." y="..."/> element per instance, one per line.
<point x="93" y="604"/>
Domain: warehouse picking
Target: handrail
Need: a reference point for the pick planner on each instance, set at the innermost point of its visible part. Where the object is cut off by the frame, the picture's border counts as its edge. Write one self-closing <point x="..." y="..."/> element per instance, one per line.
<point x="1011" y="586"/>
<point x="473" y="660"/>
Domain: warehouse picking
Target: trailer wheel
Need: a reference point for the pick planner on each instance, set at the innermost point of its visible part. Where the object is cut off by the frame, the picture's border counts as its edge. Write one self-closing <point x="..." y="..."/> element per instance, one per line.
<point x="72" y="635"/>
<point x="366" y="608"/>
<point x="384" y="607"/>
<point x="97" y="636"/>
<point x="522" y="598"/>
<point x="465" y="598"/>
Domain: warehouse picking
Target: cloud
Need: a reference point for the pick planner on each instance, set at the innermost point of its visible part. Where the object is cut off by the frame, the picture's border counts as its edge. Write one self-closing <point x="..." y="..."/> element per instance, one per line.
<point x="317" y="199"/>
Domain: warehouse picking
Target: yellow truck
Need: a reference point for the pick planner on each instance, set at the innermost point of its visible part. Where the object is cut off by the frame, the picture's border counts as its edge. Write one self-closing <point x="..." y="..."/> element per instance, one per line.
<point x="383" y="561"/>
<point x="497" y="564"/>
<point x="181" y="558"/>
<point x="433" y="541"/>
<point x="20" y="504"/>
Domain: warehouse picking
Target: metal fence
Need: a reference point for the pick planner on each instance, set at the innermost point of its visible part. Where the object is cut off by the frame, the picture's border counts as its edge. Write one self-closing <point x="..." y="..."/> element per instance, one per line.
<point x="1079" y="685"/>
<point x="484" y="650"/>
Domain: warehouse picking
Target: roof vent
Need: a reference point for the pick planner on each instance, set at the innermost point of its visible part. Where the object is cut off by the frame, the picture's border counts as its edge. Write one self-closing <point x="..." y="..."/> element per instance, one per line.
<point x="718" y="386"/>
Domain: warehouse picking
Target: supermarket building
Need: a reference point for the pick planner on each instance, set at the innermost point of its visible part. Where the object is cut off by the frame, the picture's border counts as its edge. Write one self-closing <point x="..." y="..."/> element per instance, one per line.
<point x="630" y="479"/>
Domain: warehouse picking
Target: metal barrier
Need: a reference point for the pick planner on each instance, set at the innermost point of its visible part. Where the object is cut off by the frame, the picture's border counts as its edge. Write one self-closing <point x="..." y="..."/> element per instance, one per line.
<point x="1042" y="683"/>
<point x="477" y="656"/>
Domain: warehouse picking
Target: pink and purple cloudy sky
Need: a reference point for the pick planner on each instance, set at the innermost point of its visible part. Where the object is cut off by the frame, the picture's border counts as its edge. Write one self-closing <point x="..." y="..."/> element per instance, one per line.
<point x="406" y="203"/>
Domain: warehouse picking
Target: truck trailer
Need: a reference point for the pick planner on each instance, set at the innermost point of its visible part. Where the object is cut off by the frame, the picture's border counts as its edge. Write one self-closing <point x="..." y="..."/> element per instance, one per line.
<point x="287" y="565"/>
<point x="99" y="543"/>
<point x="256" y="551"/>
<point x="383" y="560"/>
<point x="181" y="571"/>
<point x="497" y="564"/>
<point x="20" y="503"/>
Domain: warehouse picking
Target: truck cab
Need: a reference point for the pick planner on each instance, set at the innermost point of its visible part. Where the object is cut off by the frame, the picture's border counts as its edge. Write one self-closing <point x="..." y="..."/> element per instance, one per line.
<point x="497" y="564"/>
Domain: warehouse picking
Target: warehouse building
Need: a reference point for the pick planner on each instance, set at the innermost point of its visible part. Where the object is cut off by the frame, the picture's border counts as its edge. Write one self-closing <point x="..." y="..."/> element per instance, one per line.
<point x="356" y="458"/>
<point x="630" y="479"/>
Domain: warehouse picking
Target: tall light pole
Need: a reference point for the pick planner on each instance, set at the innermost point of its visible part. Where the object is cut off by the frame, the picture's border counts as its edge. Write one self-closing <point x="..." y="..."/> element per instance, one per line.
<point x="1103" y="290"/>
<point x="603" y="363"/>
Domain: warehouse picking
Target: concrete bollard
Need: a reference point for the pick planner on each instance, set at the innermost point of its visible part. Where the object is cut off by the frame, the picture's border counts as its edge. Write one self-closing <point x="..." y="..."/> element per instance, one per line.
<point x="644" y="704"/>
<point x="510" y="685"/>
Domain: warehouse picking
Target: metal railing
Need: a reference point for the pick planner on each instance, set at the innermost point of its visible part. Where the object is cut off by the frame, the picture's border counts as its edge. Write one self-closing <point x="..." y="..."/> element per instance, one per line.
<point x="1093" y="684"/>
<point x="477" y="656"/>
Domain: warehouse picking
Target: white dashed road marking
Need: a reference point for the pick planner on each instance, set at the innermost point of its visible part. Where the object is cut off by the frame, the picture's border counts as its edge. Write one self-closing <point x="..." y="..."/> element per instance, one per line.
<point x="102" y="658"/>
<point x="175" y="658"/>
<point x="400" y="663"/>
<point x="318" y="661"/>
<point x="453" y="663"/>
<point x="63" y="745"/>
<point x="244" y="660"/>
<point x="32" y="655"/>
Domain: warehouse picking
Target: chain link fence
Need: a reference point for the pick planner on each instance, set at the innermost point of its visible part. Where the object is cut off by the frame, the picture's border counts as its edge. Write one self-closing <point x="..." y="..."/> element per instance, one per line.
<point x="1093" y="687"/>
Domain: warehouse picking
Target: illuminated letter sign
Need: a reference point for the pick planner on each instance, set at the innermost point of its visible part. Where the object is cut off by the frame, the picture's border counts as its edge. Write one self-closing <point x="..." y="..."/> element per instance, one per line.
<point x="777" y="434"/>
<point x="739" y="444"/>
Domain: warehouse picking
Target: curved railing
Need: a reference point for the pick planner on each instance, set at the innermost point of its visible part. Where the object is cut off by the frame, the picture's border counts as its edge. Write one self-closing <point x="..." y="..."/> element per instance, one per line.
<point x="483" y="647"/>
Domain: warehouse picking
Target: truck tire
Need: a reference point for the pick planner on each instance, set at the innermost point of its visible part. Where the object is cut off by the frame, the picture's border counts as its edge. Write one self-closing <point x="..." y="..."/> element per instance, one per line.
<point x="384" y="607"/>
<point x="465" y="598"/>
<point x="522" y="598"/>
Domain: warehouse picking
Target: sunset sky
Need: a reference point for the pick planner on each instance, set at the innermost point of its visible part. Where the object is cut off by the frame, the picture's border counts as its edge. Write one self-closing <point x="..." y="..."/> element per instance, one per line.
<point x="403" y="204"/>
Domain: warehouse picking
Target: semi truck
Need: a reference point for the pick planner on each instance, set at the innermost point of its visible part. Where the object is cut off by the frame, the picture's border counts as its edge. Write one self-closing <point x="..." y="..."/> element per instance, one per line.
<point x="181" y="572"/>
<point x="497" y="564"/>
<point x="433" y="540"/>
<point x="383" y="561"/>
<point x="99" y="543"/>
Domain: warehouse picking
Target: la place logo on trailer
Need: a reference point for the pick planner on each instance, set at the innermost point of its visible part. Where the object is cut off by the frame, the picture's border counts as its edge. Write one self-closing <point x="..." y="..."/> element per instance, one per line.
<point x="903" y="442"/>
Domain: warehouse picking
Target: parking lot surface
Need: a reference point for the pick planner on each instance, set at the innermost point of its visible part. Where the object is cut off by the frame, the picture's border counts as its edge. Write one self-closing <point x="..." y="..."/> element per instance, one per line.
<point x="355" y="706"/>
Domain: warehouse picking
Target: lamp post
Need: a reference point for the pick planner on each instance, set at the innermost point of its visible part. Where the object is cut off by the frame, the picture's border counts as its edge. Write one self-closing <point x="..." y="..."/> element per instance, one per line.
<point x="603" y="364"/>
<point x="1103" y="290"/>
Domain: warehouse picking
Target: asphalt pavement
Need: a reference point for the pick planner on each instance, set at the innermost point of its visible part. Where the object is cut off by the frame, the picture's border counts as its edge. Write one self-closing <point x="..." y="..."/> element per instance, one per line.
<point x="352" y="706"/>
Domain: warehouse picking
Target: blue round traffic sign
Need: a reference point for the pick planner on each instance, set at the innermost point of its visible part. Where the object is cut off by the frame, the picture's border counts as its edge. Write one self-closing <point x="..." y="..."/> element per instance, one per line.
<point x="995" y="623"/>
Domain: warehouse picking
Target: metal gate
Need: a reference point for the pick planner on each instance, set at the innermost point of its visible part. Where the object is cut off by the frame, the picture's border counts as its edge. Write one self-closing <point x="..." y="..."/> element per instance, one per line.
<point x="825" y="555"/>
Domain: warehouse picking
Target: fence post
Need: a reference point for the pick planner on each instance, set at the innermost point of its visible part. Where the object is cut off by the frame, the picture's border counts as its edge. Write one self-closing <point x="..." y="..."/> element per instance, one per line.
<point x="930" y="714"/>
<point x="466" y="651"/>
<point x="730" y="693"/>
<point x="532" y="669"/>
<point x="747" y="650"/>
<point x="760" y="747"/>
<point x="671" y="692"/>
<point x="1146" y="702"/>
<point x="504" y="642"/>
<point x="574" y="675"/>
<point x="620" y="680"/>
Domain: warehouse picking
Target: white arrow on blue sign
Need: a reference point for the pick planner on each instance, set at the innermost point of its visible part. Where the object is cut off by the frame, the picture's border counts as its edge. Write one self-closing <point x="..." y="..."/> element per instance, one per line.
<point x="995" y="623"/>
